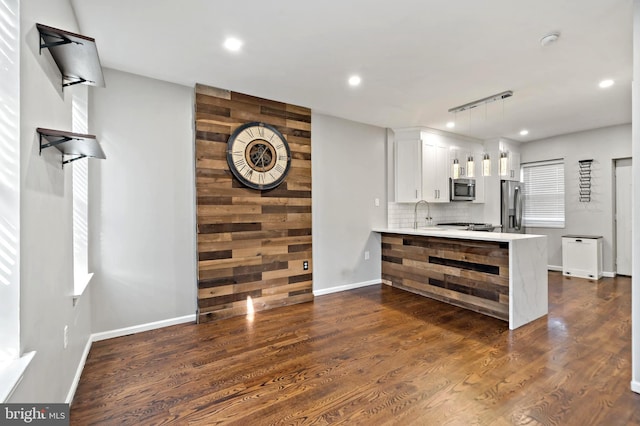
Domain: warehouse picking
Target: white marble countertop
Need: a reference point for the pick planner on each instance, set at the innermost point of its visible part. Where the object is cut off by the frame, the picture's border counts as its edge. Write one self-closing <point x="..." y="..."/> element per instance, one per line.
<point x="455" y="233"/>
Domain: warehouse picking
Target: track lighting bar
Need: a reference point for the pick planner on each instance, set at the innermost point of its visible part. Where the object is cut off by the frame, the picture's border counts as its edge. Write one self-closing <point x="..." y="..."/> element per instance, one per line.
<point x="492" y="98"/>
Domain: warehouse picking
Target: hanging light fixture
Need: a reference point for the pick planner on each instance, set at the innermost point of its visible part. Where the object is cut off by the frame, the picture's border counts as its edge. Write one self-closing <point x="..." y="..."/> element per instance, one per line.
<point x="502" y="168"/>
<point x="455" y="169"/>
<point x="486" y="164"/>
<point x="470" y="166"/>
<point x="488" y="99"/>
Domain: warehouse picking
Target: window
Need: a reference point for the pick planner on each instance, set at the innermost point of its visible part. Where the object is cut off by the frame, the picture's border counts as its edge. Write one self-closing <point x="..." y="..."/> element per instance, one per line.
<point x="80" y="185"/>
<point x="12" y="365"/>
<point x="543" y="194"/>
<point x="9" y="183"/>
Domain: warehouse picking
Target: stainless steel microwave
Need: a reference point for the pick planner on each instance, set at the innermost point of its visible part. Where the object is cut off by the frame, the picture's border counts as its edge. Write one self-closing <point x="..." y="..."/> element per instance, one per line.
<point x="462" y="189"/>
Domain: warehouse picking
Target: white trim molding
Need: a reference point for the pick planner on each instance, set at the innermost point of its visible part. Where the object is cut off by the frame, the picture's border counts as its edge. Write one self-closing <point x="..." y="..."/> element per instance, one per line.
<point x="11" y="375"/>
<point x="76" y="379"/>
<point x="323" y="291"/>
<point x="104" y="335"/>
<point x="635" y="386"/>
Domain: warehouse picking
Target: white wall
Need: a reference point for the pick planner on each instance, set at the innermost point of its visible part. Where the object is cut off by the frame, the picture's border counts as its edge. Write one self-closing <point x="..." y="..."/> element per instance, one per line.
<point x="141" y="203"/>
<point x="349" y="173"/>
<point x="46" y="254"/>
<point x="596" y="217"/>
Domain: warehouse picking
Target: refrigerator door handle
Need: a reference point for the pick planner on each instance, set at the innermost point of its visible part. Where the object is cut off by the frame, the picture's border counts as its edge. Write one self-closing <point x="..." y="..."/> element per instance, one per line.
<point x="518" y="208"/>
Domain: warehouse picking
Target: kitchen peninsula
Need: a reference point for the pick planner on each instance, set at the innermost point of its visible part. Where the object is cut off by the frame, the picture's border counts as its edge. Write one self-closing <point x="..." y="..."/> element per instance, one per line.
<point x="497" y="274"/>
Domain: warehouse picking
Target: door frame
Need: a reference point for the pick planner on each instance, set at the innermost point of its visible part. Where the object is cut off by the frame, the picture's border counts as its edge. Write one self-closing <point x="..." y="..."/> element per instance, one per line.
<point x="615" y="209"/>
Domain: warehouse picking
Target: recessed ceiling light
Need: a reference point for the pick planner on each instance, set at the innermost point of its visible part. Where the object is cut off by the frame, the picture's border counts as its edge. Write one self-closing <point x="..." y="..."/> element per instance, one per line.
<point x="451" y="125"/>
<point x="606" y="83"/>
<point x="524" y="132"/>
<point x="355" y="80"/>
<point x="233" y="44"/>
<point x="550" y="38"/>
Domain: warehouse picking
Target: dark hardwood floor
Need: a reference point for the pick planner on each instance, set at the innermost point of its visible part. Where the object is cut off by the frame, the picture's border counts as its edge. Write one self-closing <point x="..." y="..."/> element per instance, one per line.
<point x="375" y="356"/>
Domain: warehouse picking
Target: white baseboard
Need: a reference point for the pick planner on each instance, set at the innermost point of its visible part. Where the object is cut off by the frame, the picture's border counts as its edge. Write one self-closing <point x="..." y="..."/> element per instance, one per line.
<point x="323" y="291"/>
<point x="635" y="386"/>
<point x="609" y="274"/>
<point x="96" y="337"/>
<point x="76" y="379"/>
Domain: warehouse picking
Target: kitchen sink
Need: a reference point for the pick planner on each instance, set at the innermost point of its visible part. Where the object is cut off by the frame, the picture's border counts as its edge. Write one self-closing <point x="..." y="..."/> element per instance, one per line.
<point x="468" y="226"/>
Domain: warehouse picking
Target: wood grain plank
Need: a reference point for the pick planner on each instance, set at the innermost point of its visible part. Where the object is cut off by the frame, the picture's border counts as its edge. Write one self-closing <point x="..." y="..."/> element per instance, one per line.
<point x="376" y="355"/>
<point x="247" y="239"/>
<point x="467" y="273"/>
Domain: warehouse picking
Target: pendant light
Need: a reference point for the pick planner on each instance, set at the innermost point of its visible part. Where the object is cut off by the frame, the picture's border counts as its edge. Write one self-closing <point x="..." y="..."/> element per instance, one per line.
<point x="486" y="165"/>
<point x="455" y="169"/>
<point x="486" y="159"/>
<point x="502" y="168"/>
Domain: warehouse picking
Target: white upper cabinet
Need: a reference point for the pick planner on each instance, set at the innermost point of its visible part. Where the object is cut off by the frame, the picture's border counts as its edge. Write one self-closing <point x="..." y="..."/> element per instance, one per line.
<point x="424" y="164"/>
<point x="408" y="168"/>
<point x="514" y="165"/>
<point x="435" y="172"/>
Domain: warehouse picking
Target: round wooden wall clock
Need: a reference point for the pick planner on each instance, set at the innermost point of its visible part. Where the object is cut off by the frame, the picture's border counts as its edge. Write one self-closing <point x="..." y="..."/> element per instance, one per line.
<point x="258" y="155"/>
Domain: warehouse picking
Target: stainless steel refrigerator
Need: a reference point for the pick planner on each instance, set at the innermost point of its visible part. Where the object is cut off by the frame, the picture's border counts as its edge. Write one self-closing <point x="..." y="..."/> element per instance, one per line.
<point x="512" y="206"/>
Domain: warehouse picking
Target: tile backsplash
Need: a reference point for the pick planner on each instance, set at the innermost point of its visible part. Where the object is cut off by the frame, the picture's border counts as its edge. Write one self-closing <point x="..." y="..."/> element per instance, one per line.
<point x="400" y="215"/>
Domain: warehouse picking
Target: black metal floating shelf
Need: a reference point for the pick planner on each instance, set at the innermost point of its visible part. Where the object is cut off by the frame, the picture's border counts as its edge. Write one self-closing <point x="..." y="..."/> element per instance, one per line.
<point x="75" y="145"/>
<point x="584" y="183"/>
<point x="76" y="56"/>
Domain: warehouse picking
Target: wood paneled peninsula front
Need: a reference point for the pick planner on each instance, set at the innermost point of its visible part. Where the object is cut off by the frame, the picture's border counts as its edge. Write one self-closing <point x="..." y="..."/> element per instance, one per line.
<point x="498" y="274"/>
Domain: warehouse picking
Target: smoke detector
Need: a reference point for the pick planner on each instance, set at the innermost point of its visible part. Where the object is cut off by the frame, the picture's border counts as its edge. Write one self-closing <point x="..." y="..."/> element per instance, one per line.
<point x="550" y="38"/>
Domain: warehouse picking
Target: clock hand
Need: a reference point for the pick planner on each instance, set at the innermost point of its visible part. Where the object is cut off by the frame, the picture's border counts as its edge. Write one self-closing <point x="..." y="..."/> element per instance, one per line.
<point x="261" y="158"/>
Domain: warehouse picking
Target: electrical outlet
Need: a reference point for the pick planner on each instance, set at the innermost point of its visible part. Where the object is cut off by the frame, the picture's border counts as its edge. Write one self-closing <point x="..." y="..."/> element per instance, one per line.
<point x="366" y="255"/>
<point x="65" y="338"/>
<point x="305" y="265"/>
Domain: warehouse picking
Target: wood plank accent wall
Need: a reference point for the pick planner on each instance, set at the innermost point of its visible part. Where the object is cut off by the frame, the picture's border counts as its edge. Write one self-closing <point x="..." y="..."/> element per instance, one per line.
<point x="250" y="243"/>
<point x="467" y="273"/>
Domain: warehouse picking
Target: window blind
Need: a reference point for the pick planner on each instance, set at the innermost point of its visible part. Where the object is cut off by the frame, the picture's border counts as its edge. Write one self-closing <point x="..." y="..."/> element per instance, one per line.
<point x="544" y="194"/>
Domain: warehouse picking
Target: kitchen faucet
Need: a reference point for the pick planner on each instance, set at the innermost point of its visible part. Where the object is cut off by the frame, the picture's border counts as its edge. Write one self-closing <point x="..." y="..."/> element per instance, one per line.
<point x="415" y="213"/>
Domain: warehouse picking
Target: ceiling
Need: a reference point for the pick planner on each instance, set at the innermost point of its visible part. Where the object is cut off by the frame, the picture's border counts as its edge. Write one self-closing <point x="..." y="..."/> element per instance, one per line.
<point x="417" y="58"/>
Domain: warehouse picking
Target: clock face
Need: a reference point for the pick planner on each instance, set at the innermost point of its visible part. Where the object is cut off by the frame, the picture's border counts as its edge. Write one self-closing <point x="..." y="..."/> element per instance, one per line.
<point x="258" y="155"/>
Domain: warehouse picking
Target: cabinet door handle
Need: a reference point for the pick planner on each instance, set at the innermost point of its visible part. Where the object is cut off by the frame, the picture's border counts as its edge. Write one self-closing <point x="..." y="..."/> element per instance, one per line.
<point x="578" y="241"/>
